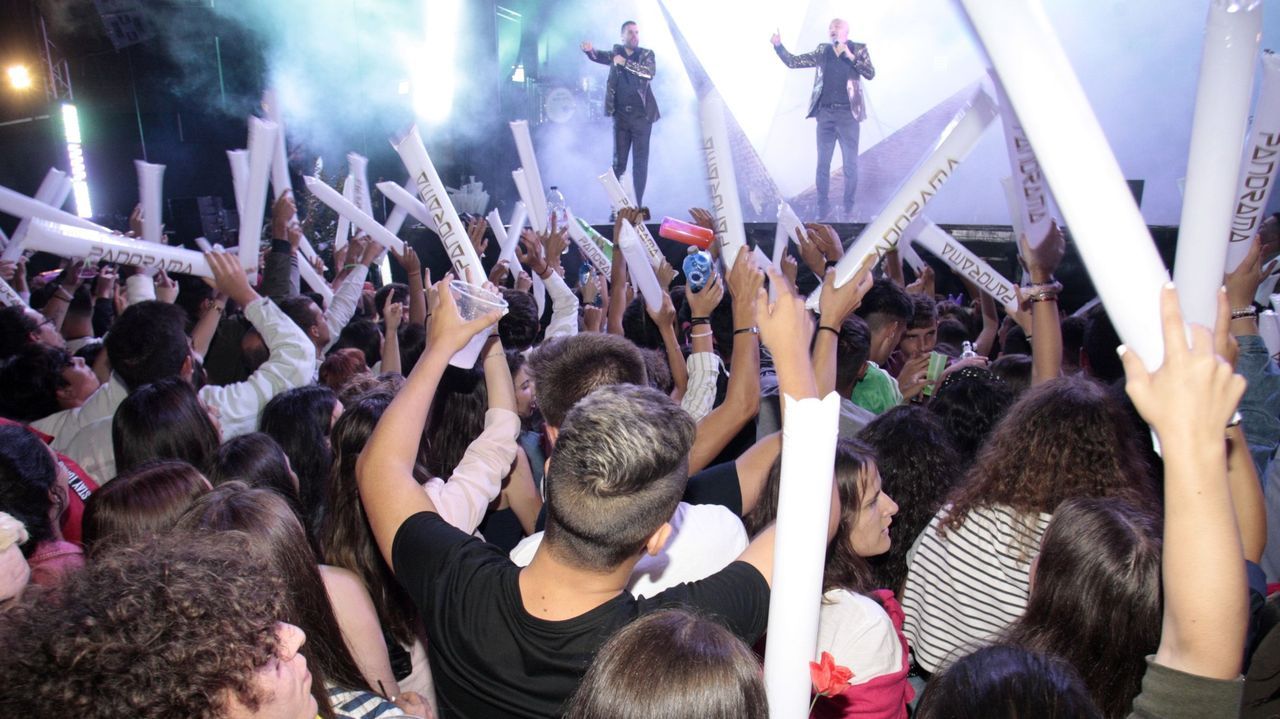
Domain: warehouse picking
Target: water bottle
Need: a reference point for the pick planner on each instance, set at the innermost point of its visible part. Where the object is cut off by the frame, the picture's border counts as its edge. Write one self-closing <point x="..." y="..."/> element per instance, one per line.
<point x="556" y="207"/>
<point x="697" y="270"/>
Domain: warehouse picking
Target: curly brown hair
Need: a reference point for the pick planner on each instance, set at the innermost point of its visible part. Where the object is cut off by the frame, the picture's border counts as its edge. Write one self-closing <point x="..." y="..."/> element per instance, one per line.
<point x="175" y="627"/>
<point x="1064" y="439"/>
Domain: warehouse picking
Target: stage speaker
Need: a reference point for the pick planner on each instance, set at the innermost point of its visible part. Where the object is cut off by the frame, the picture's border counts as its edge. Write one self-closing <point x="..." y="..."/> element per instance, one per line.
<point x="192" y="217"/>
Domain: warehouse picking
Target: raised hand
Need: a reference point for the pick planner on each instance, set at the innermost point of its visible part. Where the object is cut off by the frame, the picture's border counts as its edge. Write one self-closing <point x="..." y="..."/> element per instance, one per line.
<point x="499" y="272"/>
<point x="745" y="280"/>
<point x="811" y="252"/>
<point x="166" y="288"/>
<point x="666" y="273"/>
<point x="703" y="302"/>
<point x="1043" y="261"/>
<point x="827" y="239"/>
<point x="837" y="303"/>
<point x="282" y="214"/>
<point x="776" y="38"/>
<point x="229" y="278"/>
<point x="587" y="47"/>
<point x="702" y="218"/>
<point x="530" y="252"/>
<point x="665" y="315"/>
<point x="448" y="331"/>
<point x="476" y="228"/>
<point x="409" y="261"/>
<point x="1194" y="393"/>
<point x="371" y="250"/>
<point x="524" y="283"/>
<point x="135" y="221"/>
<point x="392" y="313"/>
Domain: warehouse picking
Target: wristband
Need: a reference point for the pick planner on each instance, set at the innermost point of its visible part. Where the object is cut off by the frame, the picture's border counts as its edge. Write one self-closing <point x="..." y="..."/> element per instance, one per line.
<point x="282" y="246"/>
<point x="699" y="335"/>
<point x="1241" y="313"/>
<point x="694" y="321"/>
<point x="63" y="293"/>
<point x="831" y="263"/>
<point x="753" y="330"/>
<point x="352" y="266"/>
<point x="832" y="330"/>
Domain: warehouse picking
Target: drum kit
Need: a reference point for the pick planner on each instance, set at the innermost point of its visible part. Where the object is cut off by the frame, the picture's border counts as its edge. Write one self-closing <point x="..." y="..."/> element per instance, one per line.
<point x="560" y="102"/>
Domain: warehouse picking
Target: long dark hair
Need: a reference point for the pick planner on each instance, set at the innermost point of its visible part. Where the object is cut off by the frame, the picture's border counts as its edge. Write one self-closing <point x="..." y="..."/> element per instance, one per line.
<point x="1095" y="597"/>
<point x="457" y="418"/>
<point x="271" y="526"/>
<point x="257" y="460"/>
<point x="1004" y="682"/>
<point x="299" y="421"/>
<point x="27" y="473"/>
<point x="845" y="569"/>
<point x="918" y="467"/>
<point x="141" y="503"/>
<point x="671" y="664"/>
<point x="345" y="537"/>
<point x="163" y="420"/>
<point x="1064" y="439"/>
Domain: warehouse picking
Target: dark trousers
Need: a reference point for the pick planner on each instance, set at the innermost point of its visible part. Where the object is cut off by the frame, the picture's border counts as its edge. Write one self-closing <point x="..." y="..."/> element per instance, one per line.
<point x="631" y="136"/>
<point x="835" y="122"/>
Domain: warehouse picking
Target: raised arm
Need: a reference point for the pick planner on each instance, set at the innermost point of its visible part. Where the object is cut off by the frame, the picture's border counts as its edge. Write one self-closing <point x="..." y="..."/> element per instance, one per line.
<point x="703" y="364"/>
<point x="808" y="59"/>
<point x="836" y="304"/>
<point x="786" y="328"/>
<point x="594" y="55"/>
<point x="665" y="319"/>
<point x="742" y="396"/>
<point x="1046" y="340"/>
<point x="384" y="471"/>
<point x="1188" y="402"/>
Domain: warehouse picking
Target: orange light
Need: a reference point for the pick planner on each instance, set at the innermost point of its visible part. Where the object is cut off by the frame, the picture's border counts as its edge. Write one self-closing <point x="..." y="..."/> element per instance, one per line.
<point x="19" y="77"/>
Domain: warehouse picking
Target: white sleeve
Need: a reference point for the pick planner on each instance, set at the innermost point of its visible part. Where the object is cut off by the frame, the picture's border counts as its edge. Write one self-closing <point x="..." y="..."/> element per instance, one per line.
<point x="564" y="308"/>
<point x="700" y="398"/>
<point x="477" y="480"/>
<point x="343" y="305"/>
<point x="63" y="426"/>
<point x="859" y="634"/>
<point x="139" y="288"/>
<point x="292" y="363"/>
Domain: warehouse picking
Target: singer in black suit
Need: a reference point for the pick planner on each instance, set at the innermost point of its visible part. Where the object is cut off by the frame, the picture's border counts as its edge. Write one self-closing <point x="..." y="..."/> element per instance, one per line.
<point x="837" y="104"/>
<point x="629" y="101"/>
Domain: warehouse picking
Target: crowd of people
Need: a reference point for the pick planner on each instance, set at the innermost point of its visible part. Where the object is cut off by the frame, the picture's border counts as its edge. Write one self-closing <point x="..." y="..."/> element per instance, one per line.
<point x="230" y="499"/>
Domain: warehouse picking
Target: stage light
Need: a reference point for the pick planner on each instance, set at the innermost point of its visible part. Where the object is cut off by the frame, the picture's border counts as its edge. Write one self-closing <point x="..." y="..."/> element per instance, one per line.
<point x="435" y="67"/>
<point x="75" y="155"/>
<point x="517" y="75"/>
<point x="19" y="77"/>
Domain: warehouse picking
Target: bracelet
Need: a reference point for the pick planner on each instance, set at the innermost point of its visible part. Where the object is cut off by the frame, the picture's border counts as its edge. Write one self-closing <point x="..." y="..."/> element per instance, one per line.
<point x="1043" y="297"/>
<point x="1241" y="313"/>
<point x="700" y="321"/>
<point x="352" y="266"/>
<point x="753" y="330"/>
<point x="700" y="335"/>
<point x="832" y="330"/>
<point x="1042" y="292"/>
<point x="218" y="308"/>
<point x="832" y="263"/>
<point x="63" y="293"/>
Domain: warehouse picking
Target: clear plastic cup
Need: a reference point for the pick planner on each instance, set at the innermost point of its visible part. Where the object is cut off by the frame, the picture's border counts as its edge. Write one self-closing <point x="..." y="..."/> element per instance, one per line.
<point x="473" y="301"/>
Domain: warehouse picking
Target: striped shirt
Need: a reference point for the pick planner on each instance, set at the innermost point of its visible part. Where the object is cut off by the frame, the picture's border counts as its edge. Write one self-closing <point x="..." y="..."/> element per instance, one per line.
<point x="966" y="587"/>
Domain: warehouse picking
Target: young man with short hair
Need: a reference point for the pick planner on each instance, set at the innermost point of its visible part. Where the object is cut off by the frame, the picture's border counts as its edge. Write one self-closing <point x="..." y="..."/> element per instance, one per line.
<point x="515" y="642"/>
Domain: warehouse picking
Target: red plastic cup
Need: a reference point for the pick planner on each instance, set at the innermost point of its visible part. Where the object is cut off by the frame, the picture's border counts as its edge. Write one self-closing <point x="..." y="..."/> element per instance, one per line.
<point x="686" y="233"/>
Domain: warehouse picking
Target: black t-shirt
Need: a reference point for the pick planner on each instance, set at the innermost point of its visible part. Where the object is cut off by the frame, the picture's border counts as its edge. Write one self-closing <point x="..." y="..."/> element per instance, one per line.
<point x="490" y="657"/>
<point x="835" y="78"/>
<point x="631" y="87"/>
